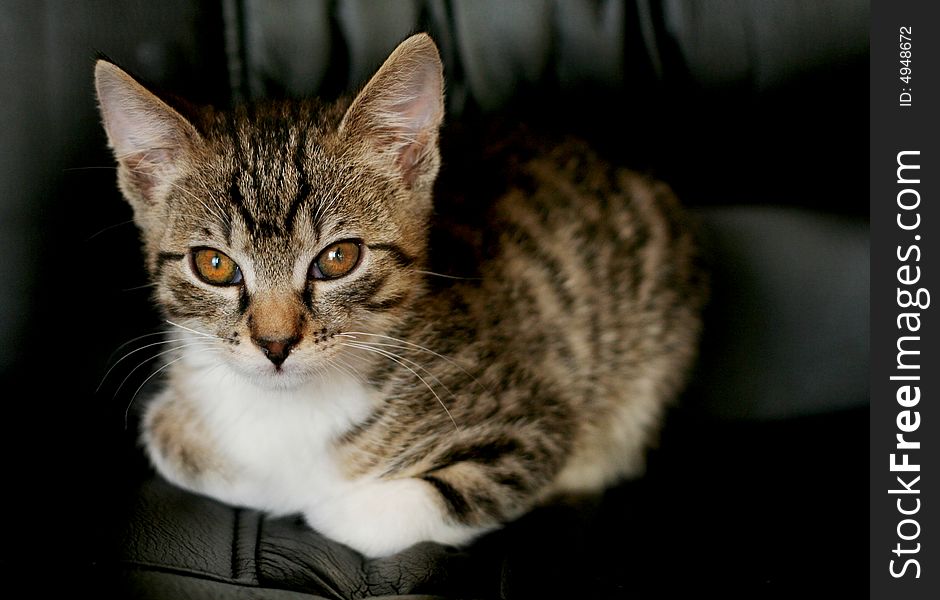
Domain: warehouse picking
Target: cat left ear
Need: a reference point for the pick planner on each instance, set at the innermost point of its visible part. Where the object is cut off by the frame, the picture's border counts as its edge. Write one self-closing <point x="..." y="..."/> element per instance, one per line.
<point x="398" y="113"/>
<point x="148" y="137"/>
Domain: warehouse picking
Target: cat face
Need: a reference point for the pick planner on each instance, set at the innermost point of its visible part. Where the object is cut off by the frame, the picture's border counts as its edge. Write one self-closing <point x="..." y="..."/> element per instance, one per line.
<point x="272" y="230"/>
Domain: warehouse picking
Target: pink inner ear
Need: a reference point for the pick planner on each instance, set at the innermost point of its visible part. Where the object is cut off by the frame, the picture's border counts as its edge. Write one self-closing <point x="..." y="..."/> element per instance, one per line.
<point x="147" y="135"/>
<point x="423" y="108"/>
<point x="409" y="158"/>
<point x="417" y="121"/>
<point x="399" y="111"/>
<point x="149" y="162"/>
<point x="146" y="168"/>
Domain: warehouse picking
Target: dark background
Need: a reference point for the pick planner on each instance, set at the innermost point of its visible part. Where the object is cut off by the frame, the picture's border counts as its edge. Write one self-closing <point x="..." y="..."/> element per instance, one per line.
<point x="753" y="109"/>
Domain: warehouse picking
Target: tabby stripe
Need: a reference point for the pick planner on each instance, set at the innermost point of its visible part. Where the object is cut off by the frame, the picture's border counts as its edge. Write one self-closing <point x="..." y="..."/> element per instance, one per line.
<point x="303" y="186"/>
<point x="268" y="228"/>
<point x="243" y="301"/>
<point x="512" y="481"/>
<point x="398" y="254"/>
<point x="589" y="232"/>
<point x="182" y="308"/>
<point x="543" y="261"/>
<point x="307" y="296"/>
<point x="388" y="303"/>
<point x="525" y="242"/>
<point x="366" y="288"/>
<point x="639" y="249"/>
<point x="486" y="454"/>
<point x="303" y="192"/>
<point x="165" y="257"/>
<point x="631" y="258"/>
<point x="235" y="195"/>
<point x="610" y="273"/>
<point x="455" y="500"/>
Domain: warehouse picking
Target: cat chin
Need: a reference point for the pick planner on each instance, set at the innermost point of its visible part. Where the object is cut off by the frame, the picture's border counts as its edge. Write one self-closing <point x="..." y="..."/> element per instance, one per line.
<point x="281" y="380"/>
<point x="286" y="378"/>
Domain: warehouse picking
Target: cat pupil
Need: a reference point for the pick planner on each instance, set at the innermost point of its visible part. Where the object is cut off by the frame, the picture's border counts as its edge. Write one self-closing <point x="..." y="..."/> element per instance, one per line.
<point x="216" y="261"/>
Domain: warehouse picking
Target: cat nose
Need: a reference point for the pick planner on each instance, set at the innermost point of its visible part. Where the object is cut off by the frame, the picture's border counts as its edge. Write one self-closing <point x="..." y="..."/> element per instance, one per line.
<point x="276" y="349"/>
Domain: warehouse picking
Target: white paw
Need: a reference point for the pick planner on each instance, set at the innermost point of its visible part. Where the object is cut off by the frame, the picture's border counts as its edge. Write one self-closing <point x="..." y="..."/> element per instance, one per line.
<point x="379" y="518"/>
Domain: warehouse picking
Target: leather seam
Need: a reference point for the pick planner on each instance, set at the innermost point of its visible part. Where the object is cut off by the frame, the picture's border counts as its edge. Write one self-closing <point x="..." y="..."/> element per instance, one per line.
<point x="236" y="514"/>
<point x="258" y="523"/>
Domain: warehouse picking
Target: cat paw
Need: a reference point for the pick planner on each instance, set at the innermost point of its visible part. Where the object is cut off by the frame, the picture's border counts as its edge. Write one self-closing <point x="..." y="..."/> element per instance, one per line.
<point x="176" y="447"/>
<point x="380" y="518"/>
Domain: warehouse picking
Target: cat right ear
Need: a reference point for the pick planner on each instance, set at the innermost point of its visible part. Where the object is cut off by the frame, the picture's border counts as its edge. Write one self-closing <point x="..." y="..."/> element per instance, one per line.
<point x="149" y="138"/>
<point x="399" y="111"/>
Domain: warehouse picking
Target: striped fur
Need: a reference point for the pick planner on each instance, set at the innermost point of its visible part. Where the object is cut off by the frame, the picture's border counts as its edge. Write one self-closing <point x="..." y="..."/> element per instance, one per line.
<point x="437" y="408"/>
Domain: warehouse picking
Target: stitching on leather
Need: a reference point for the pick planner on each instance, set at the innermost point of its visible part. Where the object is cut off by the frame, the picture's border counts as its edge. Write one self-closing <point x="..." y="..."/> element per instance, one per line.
<point x="236" y="514"/>
<point x="258" y="520"/>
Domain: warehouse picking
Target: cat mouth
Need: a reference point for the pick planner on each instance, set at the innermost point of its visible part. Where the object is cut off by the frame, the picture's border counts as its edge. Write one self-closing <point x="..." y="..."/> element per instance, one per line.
<point x="281" y="370"/>
<point x="298" y="365"/>
<point x="288" y="373"/>
<point x="282" y="377"/>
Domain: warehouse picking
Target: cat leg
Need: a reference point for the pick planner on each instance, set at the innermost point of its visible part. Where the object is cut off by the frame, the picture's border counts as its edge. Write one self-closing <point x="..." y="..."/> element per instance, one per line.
<point x="180" y="448"/>
<point x="383" y="517"/>
<point x="451" y="505"/>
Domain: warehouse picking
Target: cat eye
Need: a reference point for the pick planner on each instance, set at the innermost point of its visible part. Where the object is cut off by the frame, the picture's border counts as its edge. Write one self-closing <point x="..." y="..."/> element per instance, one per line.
<point x="214" y="267"/>
<point x="336" y="261"/>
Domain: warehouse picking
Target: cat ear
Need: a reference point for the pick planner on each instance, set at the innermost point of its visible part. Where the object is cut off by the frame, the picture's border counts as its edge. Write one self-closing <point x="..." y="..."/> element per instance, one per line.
<point x="148" y="137"/>
<point x="398" y="113"/>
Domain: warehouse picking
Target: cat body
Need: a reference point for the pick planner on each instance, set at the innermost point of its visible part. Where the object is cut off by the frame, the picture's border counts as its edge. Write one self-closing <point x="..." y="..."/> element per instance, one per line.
<point x="320" y="368"/>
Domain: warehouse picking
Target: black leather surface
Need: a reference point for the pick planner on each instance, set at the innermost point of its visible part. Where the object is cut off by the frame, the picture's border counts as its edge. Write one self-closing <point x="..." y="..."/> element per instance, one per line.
<point x="171" y="533"/>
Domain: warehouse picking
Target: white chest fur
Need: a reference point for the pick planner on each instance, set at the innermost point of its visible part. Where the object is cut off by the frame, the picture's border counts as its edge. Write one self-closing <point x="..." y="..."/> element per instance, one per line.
<point x="279" y="442"/>
<point x="274" y="450"/>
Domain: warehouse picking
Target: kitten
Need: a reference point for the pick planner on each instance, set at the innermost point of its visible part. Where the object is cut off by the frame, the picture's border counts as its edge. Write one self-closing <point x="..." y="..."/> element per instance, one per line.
<point x="319" y="372"/>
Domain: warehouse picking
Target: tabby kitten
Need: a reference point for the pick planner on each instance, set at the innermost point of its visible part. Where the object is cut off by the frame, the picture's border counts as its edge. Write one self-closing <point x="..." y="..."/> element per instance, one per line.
<point x="317" y="370"/>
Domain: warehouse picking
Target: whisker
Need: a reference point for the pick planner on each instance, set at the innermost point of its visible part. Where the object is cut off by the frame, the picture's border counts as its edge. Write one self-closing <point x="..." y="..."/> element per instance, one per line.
<point x="141" y="386"/>
<point x="350" y="369"/>
<point x="401" y="341"/>
<point x="202" y="333"/>
<point x="411" y="345"/>
<point x="215" y="212"/>
<point x="66" y="169"/>
<point x="415" y="373"/>
<point x="139" y="287"/>
<point x="108" y="228"/>
<point x="142" y="363"/>
<point x="132" y="340"/>
<point x="116" y="225"/>
<point x="136" y="350"/>
<point x="362" y="365"/>
<point x="449" y="276"/>
<point x="411" y="362"/>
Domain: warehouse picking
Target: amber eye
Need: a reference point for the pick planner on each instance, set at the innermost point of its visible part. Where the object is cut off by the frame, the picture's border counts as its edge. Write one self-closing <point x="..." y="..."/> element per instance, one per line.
<point x="336" y="261"/>
<point x="214" y="267"/>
